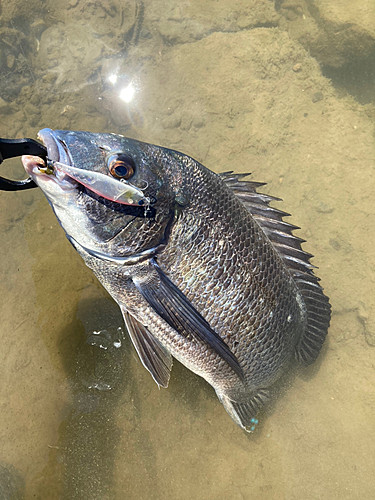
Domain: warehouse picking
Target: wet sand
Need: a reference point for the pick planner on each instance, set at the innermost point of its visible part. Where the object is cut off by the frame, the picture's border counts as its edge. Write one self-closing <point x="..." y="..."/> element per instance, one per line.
<point x="235" y="90"/>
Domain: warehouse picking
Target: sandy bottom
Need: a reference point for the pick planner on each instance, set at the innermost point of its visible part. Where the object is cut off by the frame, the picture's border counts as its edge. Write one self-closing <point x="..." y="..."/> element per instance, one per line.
<point x="81" y="422"/>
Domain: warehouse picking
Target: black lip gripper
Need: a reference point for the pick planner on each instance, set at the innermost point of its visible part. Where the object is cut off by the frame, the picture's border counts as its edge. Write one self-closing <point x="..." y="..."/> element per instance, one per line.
<point x="11" y="148"/>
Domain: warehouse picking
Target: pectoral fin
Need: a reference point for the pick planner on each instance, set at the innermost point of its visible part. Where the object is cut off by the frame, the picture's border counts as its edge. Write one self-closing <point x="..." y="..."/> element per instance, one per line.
<point x="167" y="300"/>
<point x="154" y="357"/>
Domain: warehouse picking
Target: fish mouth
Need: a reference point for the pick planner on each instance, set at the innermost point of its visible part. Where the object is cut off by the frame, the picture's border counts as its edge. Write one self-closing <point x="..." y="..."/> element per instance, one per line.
<point x="57" y="151"/>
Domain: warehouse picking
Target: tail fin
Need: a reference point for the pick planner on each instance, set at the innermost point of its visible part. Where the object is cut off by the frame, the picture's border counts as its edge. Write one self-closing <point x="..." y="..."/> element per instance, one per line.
<point x="318" y="311"/>
<point x="243" y="412"/>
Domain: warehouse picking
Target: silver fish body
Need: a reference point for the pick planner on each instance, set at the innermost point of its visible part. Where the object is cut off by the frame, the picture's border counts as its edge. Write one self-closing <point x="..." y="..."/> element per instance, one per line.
<point x="207" y="272"/>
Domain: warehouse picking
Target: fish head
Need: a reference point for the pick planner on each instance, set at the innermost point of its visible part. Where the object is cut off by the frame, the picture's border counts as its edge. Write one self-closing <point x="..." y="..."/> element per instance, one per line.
<point x="112" y="194"/>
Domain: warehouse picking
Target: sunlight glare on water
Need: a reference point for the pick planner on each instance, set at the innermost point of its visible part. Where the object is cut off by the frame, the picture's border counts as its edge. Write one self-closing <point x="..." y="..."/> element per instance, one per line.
<point x="239" y="86"/>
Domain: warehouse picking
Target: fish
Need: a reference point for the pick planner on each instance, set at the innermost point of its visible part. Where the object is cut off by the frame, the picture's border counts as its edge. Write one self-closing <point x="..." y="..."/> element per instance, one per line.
<point x="202" y="266"/>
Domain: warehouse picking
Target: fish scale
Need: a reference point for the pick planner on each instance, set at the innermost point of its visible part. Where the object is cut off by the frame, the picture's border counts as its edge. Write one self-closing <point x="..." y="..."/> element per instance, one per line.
<point x="266" y="268"/>
<point x="208" y="273"/>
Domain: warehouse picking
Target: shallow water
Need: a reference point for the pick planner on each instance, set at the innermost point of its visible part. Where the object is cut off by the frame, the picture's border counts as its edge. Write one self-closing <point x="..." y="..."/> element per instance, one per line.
<point x="233" y="87"/>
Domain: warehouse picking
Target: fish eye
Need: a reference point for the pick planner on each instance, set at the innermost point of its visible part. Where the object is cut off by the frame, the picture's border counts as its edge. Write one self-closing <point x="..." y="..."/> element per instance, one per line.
<point x="121" y="166"/>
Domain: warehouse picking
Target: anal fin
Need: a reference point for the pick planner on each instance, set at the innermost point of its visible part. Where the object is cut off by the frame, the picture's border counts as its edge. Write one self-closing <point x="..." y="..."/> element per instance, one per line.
<point x="154" y="357"/>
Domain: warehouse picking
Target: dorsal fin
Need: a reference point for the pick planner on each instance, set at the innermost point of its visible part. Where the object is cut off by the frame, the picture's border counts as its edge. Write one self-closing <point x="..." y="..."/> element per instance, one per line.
<point x="288" y="246"/>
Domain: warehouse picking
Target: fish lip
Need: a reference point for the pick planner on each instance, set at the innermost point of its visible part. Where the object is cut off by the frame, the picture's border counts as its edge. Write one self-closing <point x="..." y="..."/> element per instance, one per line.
<point x="32" y="165"/>
<point x="56" y="148"/>
<point x="57" y="151"/>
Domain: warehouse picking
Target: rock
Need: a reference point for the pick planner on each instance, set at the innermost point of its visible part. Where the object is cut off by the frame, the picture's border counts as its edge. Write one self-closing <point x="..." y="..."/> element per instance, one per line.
<point x="317" y="96"/>
<point x="67" y="53"/>
<point x="336" y="32"/>
<point x="185" y="22"/>
<point x="10" y="61"/>
<point x="5" y="108"/>
<point x="37" y="28"/>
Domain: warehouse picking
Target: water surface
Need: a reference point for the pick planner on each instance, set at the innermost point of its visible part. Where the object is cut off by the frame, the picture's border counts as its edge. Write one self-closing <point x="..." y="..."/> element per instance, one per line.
<point x="231" y="85"/>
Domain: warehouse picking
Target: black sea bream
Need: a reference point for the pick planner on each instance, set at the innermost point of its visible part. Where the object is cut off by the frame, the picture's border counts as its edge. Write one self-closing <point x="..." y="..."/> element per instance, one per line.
<point x="203" y="269"/>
